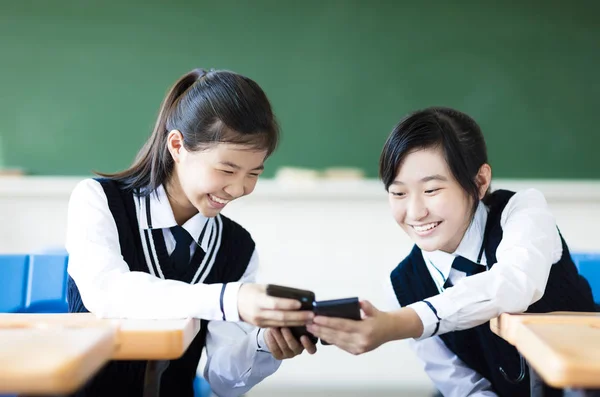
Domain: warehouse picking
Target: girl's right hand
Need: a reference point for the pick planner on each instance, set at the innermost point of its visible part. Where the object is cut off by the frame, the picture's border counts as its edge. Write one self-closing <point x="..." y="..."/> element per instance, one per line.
<point x="257" y="308"/>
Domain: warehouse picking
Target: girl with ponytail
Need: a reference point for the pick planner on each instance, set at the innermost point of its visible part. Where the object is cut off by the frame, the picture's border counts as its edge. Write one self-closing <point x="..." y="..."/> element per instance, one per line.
<point x="150" y="242"/>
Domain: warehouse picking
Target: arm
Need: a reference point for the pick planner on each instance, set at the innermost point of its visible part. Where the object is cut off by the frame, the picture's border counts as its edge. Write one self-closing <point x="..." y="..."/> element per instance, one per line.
<point x="109" y="289"/>
<point x="238" y="356"/>
<point x="530" y="245"/>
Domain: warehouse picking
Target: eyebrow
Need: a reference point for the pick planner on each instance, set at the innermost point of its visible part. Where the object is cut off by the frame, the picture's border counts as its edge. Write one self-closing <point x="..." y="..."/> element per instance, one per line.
<point x="237" y="167"/>
<point x="436" y="177"/>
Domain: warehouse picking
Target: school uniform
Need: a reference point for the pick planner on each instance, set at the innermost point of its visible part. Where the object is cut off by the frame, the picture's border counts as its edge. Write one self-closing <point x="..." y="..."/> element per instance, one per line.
<point x="513" y="259"/>
<point x="122" y="264"/>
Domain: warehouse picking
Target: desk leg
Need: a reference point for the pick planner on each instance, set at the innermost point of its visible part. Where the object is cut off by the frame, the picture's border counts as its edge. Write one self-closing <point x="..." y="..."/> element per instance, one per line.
<point x="154" y="370"/>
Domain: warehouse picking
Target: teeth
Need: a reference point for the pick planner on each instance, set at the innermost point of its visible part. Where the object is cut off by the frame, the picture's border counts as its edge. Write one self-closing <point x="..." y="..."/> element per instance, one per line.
<point x="218" y="199"/>
<point x="424" y="228"/>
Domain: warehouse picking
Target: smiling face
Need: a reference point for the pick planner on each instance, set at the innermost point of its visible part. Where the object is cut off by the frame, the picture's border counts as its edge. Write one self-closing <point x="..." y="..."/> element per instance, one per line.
<point x="206" y="181"/>
<point x="428" y="203"/>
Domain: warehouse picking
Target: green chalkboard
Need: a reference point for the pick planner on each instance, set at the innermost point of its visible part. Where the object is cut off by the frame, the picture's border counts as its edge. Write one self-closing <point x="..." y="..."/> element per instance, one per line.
<point x="81" y="80"/>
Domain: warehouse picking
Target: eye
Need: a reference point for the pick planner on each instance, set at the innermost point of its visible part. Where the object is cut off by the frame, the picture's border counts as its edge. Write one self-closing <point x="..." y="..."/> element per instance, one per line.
<point x="227" y="172"/>
<point x="254" y="175"/>
<point x="430" y="191"/>
<point x="398" y="194"/>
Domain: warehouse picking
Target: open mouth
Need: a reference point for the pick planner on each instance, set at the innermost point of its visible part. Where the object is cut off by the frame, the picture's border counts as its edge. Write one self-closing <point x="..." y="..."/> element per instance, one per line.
<point x="426" y="229"/>
<point x="216" y="201"/>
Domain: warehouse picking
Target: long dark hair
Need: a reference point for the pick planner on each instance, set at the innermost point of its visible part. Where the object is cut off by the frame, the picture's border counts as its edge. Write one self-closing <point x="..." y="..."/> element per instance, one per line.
<point x="457" y="134"/>
<point x="207" y="107"/>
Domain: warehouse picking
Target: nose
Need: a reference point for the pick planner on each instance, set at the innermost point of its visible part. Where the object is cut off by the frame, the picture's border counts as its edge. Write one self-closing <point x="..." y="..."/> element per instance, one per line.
<point x="416" y="209"/>
<point x="235" y="189"/>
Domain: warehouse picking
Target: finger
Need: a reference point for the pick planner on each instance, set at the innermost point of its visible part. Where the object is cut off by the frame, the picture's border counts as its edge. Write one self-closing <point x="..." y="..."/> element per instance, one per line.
<point x="349" y="347"/>
<point x="277" y="318"/>
<point x="347" y="342"/>
<point x="368" y="309"/>
<point x="340" y="324"/>
<point x="291" y="341"/>
<point x="273" y="345"/>
<point x="327" y="334"/>
<point x="310" y="347"/>
<point x="272" y="303"/>
<point x="283" y="346"/>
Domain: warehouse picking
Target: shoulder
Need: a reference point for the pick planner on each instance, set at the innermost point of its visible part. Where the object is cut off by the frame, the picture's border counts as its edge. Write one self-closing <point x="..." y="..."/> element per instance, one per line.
<point x="406" y="266"/>
<point x="234" y="230"/>
<point x="529" y="197"/>
<point x="529" y="200"/>
<point x="87" y="190"/>
<point x="97" y="193"/>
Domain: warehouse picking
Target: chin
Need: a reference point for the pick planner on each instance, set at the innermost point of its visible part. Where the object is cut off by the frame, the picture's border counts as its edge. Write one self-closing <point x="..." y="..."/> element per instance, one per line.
<point x="428" y="246"/>
<point x="208" y="212"/>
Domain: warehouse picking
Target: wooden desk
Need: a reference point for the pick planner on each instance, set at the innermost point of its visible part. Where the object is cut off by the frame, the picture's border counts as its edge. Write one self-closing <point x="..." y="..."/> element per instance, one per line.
<point x="562" y="347"/>
<point x="135" y="339"/>
<point x="41" y="358"/>
<point x="155" y="341"/>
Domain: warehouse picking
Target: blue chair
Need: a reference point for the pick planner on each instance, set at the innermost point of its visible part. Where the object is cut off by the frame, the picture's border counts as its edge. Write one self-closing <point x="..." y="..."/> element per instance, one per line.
<point x="588" y="265"/>
<point x="38" y="284"/>
<point x="33" y="283"/>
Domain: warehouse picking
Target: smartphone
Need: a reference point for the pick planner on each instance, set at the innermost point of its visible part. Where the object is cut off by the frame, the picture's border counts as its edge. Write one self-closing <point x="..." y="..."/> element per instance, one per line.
<point x="306" y="299"/>
<point x="348" y="308"/>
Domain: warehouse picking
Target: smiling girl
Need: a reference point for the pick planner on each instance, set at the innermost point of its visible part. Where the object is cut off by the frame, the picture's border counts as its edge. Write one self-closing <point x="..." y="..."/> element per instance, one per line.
<point x="477" y="254"/>
<point x="150" y="242"/>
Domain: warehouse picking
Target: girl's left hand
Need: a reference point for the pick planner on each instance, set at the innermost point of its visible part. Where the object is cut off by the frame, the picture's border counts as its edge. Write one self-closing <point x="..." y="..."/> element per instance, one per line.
<point x="283" y="344"/>
<point x="356" y="337"/>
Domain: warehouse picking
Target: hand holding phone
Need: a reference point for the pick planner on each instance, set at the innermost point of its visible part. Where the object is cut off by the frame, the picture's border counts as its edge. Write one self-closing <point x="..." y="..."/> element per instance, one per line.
<point x="256" y="308"/>
<point x="348" y="308"/>
<point x="306" y="299"/>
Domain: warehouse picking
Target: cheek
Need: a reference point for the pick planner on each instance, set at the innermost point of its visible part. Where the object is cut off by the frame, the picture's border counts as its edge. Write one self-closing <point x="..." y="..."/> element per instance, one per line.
<point x="441" y="207"/>
<point x="250" y="185"/>
<point x="195" y="181"/>
<point x="450" y="208"/>
<point x="398" y="210"/>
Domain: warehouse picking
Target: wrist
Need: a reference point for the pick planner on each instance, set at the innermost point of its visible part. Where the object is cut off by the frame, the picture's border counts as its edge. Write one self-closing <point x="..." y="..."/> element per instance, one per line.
<point x="404" y="323"/>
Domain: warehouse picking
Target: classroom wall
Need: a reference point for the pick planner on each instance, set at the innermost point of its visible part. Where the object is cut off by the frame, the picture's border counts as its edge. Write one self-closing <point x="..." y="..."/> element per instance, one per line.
<point x="336" y="238"/>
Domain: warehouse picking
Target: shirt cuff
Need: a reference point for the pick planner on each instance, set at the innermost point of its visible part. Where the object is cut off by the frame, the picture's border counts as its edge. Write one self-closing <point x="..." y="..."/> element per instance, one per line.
<point x="261" y="344"/>
<point x="428" y="317"/>
<point x="229" y="302"/>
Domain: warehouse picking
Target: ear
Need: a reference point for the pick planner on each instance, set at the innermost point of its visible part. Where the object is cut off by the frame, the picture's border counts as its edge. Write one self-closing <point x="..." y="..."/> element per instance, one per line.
<point x="175" y="144"/>
<point x="483" y="179"/>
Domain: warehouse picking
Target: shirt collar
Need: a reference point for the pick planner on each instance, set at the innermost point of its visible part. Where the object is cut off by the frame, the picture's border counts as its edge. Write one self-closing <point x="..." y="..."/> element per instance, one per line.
<point x="162" y="217"/>
<point x="469" y="245"/>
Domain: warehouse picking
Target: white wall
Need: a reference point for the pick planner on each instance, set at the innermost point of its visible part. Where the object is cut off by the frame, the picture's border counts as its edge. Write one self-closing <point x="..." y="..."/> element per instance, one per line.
<point x="336" y="238"/>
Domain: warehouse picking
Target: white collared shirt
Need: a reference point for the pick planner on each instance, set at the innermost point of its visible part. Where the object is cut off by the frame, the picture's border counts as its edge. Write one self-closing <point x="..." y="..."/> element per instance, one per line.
<point x="530" y="245"/>
<point x="238" y="357"/>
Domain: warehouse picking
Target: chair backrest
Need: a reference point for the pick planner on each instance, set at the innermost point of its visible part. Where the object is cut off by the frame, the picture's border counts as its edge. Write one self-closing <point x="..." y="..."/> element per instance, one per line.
<point x="589" y="267"/>
<point x="33" y="283"/>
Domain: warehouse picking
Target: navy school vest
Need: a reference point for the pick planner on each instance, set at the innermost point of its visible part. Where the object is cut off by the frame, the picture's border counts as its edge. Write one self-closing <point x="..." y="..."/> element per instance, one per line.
<point x="478" y="347"/>
<point x="126" y="378"/>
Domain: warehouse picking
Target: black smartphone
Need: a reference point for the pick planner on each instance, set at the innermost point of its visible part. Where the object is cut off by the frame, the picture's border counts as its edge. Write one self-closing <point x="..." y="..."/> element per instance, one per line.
<point x="348" y="308"/>
<point x="306" y="299"/>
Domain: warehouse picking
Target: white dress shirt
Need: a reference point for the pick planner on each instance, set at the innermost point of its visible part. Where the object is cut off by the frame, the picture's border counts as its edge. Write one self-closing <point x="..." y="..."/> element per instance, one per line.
<point x="530" y="245"/>
<point x="237" y="355"/>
